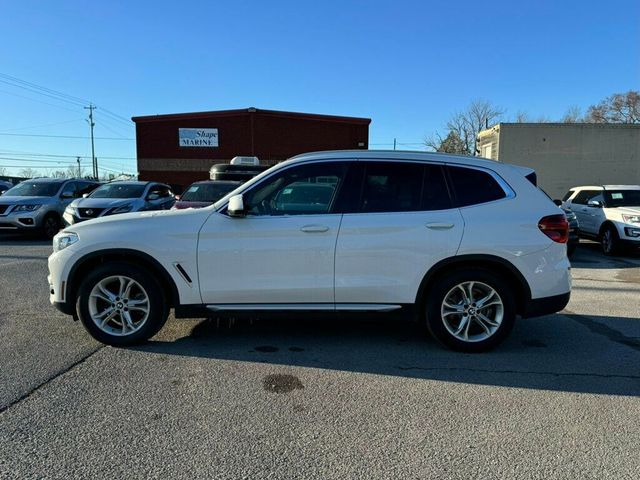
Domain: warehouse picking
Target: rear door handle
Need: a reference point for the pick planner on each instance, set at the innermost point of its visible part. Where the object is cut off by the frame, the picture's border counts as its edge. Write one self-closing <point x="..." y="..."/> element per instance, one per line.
<point x="439" y="226"/>
<point x="314" y="228"/>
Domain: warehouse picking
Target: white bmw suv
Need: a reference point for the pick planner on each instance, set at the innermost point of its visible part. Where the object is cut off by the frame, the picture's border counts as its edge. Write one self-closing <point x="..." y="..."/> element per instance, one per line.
<point x="464" y="244"/>
<point x="609" y="214"/>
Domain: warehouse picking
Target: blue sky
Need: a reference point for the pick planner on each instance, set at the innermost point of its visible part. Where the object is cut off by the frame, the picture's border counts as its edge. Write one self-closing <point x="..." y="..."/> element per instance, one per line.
<point x="407" y="65"/>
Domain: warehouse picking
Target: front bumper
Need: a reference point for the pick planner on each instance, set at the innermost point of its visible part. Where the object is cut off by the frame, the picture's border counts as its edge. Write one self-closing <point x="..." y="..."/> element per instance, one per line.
<point x="70" y="219"/>
<point x="22" y="220"/>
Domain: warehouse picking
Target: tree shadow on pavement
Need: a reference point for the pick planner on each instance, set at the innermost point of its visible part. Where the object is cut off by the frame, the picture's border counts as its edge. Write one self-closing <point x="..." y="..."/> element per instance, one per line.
<point x="565" y="352"/>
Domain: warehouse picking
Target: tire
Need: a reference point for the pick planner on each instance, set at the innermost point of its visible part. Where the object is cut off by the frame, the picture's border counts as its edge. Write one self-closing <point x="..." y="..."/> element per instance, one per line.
<point x="610" y="241"/>
<point x="443" y="324"/>
<point x="571" y="249"/>
<point x="50" y="225"/>
<point x="145" y="319"/>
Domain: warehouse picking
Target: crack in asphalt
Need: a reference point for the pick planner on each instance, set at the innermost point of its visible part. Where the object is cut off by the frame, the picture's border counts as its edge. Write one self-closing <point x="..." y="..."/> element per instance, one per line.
<point x="49" y="380"/>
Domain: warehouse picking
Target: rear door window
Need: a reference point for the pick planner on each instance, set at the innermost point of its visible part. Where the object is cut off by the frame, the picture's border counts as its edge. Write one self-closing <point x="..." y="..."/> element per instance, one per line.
<point x="435" y="194"/>
<point x="472" y="186"/>
<point x="392" y="187"/>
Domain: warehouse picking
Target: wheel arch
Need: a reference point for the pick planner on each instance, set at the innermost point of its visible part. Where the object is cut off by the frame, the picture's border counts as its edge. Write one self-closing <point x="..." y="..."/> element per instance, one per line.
<point x="88" y="262"/>
<point x="488" y="262"/>
<point x="606" y="224"/>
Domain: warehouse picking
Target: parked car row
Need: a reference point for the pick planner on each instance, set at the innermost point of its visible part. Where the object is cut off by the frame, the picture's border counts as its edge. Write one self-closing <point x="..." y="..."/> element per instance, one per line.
<point x="45" y="205"/>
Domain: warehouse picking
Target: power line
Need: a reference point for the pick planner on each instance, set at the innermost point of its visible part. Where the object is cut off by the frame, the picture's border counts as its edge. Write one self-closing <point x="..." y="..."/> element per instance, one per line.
<point x="45" y="125"/>
<point x="32" y="154"/>
<point x="39" y="101"/>
<point x="62" y="136"/>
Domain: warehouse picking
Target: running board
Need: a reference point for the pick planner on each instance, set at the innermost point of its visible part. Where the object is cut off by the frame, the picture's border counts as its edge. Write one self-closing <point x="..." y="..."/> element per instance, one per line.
<point x="305" y="307"/>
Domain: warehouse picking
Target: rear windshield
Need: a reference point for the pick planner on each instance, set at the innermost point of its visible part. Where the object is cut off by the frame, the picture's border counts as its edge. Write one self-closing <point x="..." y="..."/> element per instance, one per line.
<point x="622" y="198"/>
<point x="118" y="191"/>
<point x="208" y="192"/>
<point x="34" y="189"/>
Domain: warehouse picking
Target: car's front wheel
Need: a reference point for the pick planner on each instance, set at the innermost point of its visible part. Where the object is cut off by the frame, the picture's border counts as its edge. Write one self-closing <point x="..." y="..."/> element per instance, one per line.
<point x="470" y="310"/>
<point x="121" y="304"/>
<point x="610" y="241"/>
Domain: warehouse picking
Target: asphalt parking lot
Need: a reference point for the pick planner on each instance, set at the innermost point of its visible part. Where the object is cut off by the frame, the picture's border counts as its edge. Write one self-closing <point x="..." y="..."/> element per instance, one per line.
<point x="368" y="398"/>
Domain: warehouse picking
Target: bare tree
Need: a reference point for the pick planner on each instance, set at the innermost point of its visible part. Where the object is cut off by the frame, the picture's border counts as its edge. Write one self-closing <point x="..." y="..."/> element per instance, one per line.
<point x="573" y="115"/>
<point x="29" y="173"/>
<point x="617" y="108"/>
<point x="522" y="117"/>
<point x="463" y="128"/>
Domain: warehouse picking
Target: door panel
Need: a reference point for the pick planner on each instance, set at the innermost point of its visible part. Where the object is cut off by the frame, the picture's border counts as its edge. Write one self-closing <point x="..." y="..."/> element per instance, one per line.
<point x="283" y="250"/>
<point x="382" y="257"/>
<point x="268" y="259"/>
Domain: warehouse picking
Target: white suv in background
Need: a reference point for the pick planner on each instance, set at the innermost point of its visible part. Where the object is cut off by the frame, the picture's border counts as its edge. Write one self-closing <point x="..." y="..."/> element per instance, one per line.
<point x="607" y="213"/>
<point x="464" y="244"/>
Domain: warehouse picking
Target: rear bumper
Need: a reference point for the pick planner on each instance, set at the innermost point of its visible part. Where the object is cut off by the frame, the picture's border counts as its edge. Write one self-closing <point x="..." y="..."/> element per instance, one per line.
<point x="538" y="307"/>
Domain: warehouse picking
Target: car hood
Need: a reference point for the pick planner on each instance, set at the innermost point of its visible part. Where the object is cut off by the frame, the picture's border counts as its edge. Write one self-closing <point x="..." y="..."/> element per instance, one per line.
<point x="142" y="220"/>
<point x="180" y="204"/>
<point x="16" y="200"/>
<point x="625" y="210"/>
<point x="102" y="202"/>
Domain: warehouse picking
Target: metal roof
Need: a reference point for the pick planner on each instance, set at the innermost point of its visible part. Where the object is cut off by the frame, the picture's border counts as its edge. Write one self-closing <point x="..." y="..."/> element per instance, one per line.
<point x="250" y="110"/>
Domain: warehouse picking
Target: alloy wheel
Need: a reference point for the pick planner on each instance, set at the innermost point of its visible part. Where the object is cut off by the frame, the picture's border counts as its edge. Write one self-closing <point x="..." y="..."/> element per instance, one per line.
<point x="118" y="305"/>
<point x="472" y="311"/>
<point x="607" y="241"/>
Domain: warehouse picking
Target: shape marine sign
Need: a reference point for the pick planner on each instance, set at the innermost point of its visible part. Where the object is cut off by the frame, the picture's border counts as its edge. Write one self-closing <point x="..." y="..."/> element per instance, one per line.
<point x="198" y="137"/>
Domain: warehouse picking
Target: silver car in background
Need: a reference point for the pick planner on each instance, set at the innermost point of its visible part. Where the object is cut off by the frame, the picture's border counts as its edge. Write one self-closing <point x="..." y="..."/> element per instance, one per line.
<point x="37" y="205"/>
<point x="120" y="197"/>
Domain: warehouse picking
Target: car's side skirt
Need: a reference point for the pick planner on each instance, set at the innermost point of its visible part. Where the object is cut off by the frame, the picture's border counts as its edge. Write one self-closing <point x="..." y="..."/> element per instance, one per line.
<point x="329" y="307"/>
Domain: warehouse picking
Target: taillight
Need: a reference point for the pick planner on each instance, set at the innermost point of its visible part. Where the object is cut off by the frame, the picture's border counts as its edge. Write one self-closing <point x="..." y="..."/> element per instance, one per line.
<point x="555" y="227"/>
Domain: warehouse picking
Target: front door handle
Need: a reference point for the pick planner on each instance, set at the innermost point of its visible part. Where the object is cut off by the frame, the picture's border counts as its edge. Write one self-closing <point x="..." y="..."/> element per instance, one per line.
<point x="314" y="228"/>
<point x="439" y="226"/>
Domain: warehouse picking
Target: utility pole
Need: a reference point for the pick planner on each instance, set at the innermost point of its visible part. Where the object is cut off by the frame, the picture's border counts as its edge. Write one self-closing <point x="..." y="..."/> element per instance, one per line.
<point x="79" y="170"/>
<point x="91" y="108"/>
<point x="394" y="143"/>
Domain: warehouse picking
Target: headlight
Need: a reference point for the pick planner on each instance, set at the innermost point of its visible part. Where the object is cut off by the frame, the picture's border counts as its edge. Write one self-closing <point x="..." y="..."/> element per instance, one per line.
<point x="27" y="208"/>
<point x="121" y="209"/>
<point x="70" y="209"/>
<point x="63" y="240"/>
<point x="631" y="218"/>
<point x="570" y="216"/>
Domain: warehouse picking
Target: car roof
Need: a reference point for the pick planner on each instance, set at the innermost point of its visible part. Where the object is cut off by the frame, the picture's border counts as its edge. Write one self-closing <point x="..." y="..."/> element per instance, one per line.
<point x="133" y="182"/>
<point x="607" y="187"/>
<point x="218" y="182"/>
<point x="396" y="155"/>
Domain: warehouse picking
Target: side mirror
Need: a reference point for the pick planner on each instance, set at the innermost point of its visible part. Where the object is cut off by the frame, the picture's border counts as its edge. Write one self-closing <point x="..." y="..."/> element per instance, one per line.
<point x="594" y="204"/>
<point x="153" y="196"/>
<point x="177" y="197"/>
<point x="557" y="202"/>
<point x="66" y="195"/>
<point x="235" y="208"/>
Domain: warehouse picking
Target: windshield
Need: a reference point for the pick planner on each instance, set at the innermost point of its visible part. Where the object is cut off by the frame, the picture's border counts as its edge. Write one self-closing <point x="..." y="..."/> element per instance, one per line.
<point x="114" y="190"/>
<point x="207" y="192"/>
<point x="622" y="198"/>
<point x="34" y="189"/>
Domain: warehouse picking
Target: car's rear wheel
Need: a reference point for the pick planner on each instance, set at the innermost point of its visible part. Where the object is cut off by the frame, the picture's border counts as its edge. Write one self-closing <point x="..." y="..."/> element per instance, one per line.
<point x="121" y="304"/>
<point x="470" y="310"/>
<point x="610" y="241"/>
<point x="51" y="225"/>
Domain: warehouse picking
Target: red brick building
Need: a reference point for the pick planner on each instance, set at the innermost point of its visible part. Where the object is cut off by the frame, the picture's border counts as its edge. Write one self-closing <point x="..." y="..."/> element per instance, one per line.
<point x="179" y="149"/>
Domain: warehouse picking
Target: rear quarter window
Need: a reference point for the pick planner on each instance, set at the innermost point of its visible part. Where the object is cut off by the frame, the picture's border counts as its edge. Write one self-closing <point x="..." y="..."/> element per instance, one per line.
<point x="473" y="187"/>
